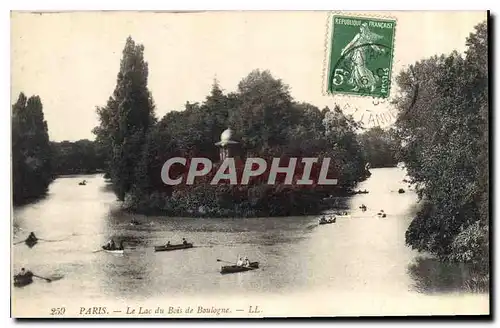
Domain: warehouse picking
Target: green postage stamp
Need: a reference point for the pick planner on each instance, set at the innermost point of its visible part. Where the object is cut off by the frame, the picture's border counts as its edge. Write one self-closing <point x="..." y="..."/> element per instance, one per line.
<point x="361" y="55"/>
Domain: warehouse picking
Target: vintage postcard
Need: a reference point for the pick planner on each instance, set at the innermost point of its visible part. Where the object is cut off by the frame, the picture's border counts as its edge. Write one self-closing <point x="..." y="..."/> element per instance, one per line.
<point x="249" y="164"/>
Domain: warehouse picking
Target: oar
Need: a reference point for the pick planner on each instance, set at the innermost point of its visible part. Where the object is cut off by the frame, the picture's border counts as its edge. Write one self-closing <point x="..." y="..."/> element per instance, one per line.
<point x="27" y="240"/>
<point x="200" y="246"/>
<point x="219" y="260"/>
<point x="46" y="279"/>
<point x="52" y="240"/>
<point x="35" y="240"/>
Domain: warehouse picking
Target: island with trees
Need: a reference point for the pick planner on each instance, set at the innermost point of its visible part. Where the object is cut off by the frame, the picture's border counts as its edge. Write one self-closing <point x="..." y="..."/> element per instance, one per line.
<point x="266" y="120"/>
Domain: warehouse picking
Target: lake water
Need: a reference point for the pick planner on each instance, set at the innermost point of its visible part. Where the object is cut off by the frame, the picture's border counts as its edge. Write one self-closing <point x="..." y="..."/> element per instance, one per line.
<point x="358" y="265"/>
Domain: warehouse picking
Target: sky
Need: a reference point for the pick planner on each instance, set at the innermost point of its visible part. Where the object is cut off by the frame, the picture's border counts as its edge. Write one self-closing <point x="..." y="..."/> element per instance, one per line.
<point x="71" y="59"/>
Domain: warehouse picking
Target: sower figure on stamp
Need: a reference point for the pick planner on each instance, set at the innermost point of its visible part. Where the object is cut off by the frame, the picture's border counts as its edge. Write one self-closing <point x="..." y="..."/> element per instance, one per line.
<point x="361" y="76"/>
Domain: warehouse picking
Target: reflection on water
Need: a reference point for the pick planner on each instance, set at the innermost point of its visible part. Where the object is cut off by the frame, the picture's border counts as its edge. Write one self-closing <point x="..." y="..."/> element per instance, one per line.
<point x="434" y="277"/>
<point x="363" y="253"/>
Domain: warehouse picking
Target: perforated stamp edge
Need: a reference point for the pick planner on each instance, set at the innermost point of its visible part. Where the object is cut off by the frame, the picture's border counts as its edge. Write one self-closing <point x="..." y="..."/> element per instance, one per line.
<point x="328" y="48"/>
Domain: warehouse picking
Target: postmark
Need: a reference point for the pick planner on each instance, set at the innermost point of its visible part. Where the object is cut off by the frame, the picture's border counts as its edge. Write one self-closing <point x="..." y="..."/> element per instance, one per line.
<point x="375" y="113"/>
<point x="361" y="56"/>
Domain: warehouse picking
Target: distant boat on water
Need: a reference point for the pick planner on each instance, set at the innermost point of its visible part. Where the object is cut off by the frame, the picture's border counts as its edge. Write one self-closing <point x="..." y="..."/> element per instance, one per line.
<point x="167" y="248"/>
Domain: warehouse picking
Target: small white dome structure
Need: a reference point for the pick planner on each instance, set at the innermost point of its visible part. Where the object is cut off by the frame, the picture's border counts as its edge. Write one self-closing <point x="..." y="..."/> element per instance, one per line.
<point x="225" y="142"/>
<point x="226" y="135"/>
<point x="225" y="138"/>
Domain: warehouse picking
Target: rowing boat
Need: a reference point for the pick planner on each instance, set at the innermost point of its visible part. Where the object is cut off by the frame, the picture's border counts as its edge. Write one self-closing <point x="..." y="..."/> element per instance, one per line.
<point x="328" y="221"/>
<point x="172" y="247"/>
<point x="30" y="242"/>
<point x="23" y="280"/>
<point x="113" y="251"/>
<point x="239" y="268"/>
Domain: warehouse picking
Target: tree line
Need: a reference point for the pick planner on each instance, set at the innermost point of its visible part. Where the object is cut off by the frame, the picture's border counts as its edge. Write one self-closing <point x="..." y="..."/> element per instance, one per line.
<point x="380" y="147"/>
<point x="36" y="161"/>
<point x="31" y="153"/>
<point x="443" y="128"/>
<point x="77" y="157"/>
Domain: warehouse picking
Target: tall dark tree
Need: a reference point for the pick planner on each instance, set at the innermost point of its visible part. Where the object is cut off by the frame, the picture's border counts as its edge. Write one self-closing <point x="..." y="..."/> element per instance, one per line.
<point x="31" y="153"/>
<point x="265" y="112"/>
<point x="444" y="130"/>
<point x="125" y="121"/>
<point x="217" y="108"/>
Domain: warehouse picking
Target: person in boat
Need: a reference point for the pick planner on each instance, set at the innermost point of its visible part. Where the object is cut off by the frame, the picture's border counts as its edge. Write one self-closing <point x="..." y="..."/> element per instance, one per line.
<point x="121" y="244"/>
<point x="168" y="243"/>
<point x="112" y="245"/>
<point x="240" y="262"/>
<point x="32" y="239"/>
<point x="246" y="262"/>
<point x="23" y="276"/>
<point x="184" y="241"/>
